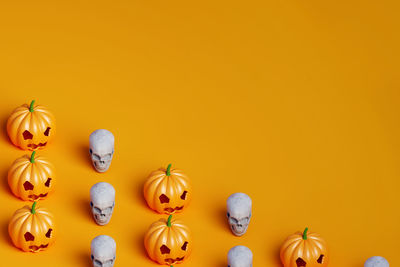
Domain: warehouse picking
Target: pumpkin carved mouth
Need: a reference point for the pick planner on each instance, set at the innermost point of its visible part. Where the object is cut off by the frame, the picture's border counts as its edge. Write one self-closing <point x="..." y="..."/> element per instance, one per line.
<point x="171" y="210"/>
<point x="172" y="261"/>
<point x="35" y="197"/>
<point x="37" y="248"/>
<point x="34" y="146"/>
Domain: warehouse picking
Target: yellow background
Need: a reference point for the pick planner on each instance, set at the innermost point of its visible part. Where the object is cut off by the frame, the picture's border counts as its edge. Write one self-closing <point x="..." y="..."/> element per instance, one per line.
<point x="295" y="103"/>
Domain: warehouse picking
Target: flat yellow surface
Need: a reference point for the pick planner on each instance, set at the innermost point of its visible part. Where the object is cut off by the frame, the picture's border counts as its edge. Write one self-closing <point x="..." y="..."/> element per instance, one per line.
<point x="295" y="103"/>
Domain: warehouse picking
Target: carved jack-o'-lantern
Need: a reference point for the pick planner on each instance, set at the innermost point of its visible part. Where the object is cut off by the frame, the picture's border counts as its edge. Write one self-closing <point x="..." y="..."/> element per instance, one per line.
<point x="304" y="250"/>
<point x="167" y="191"/>
<point x="31" y="127"/>
<point x="31" y="178"/>
<point x="32" y="228"/>
<point x="168" y="242"/>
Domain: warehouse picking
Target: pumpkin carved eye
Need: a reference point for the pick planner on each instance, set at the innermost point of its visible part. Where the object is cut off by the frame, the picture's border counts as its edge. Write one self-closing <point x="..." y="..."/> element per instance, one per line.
<point x="164" y="249"/>
<point x="300" y="262"/>
<point x="164" y="199"/>
<point x="184" y="246"/>
<point x="47" y="132"/>
<point x="320" y="259"/>
<point x="183" y="196"/>
<point x="28" y="186"/>
<point x="27" y="135"/>
<point x="48" y="234"/>
<point x="29" y="237"/>
<point x="47" y="183"/>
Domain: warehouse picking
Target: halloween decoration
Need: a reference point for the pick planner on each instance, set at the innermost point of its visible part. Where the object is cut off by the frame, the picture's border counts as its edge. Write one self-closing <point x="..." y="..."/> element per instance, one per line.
<point x="239" y="213"/>
<point x="313" y="252"/>
<point x="168" y="241"/>
<point x="240" y="256"/>
<point x="101" y="149"/>
<point x="102" y="202"/>
<point x="31" y="127"/>
<point x="376" y="261"/>
<point x="103" y="251"/>
<point x="168" y="190"/>
<point x="32" y="228"/>
<point x="31" y="177"/>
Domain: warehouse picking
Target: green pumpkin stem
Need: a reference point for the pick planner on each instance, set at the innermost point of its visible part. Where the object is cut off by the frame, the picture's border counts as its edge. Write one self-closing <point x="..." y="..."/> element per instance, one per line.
<point x="169" y="169"/>
<point x="33" y="211"/>
<point x="305" y="234"/>
<point x="31" y="106"/>
<point x="33" y="157"/>
<point x="169" y="220"/>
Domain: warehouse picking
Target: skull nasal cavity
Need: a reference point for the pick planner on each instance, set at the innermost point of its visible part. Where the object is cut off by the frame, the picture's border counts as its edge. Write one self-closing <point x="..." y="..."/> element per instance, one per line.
<point x="320" y="259"/>
<point x="28" y="186"/>
<point x="48" y="182"/>
<point x="184" y="246"/>
<point x="164" y="249"/>
<point x="164" y="199"/>
<point x="184" y="195"/>
<point x="29" y="237"/>
<point x="27" y="135"/>
<point x="48" y="234"/>
<point x="300" y="262"/>
<point x="46" y="133"/>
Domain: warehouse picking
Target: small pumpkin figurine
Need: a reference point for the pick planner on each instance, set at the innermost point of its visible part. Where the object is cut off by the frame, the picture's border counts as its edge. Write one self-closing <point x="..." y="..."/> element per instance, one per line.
<point x="31" y="127"/>
<point x="168" y="242"/>
<point x="168" y="190"/>
<point x="304" y="249"/>
<point x="31" y="178"/>
<point x="32" y="228"/>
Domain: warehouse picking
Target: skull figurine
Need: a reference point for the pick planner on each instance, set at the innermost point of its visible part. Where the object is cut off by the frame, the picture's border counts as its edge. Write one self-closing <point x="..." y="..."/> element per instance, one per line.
<point x="102" y="202"/>
<point x="376" y="261"/>
<point x="240" y="256"/>
<point x="239" y="213"/>
<point x="101" y="149"/>
<point x="103" y="251"/>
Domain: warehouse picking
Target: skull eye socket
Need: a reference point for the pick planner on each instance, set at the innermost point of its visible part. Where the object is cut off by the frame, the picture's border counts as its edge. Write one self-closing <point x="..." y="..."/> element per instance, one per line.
<point x="183" y="196"/>
<point x="91" y="204"/>
<point x="184" y="246"/>
<point x="91" y="256"/>
<point x="90" y="151"/>
<point x="300" y="262"/>
<point x="164" y="249"/>
<point x="164" y="199"/>
<point x="320" y="259"/>
<point x="97" y="209"/>
<point x="28" y="186"/>
<point x="29" y="237"/>
<point x="227" y="214"/>
<point x="48" y="234"/>
<point x="27" y="135"/>
<point x="47" y="132"/>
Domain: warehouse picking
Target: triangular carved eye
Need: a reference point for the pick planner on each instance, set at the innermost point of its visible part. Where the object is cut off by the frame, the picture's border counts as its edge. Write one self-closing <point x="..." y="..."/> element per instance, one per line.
<point x="183" y="196"/>
<point x="46" y="133"/>
<point x="48" y="234"/>
<point x="320" y="259"/>
<point x="184" y="246"/>
<point x="27" y="135"/>
<point x="300" y="262"/>
<point x="164" y="199"/>
<point x="29" y="237"/>
<point x="48" y="182"/>
<point x="164" y="249"/>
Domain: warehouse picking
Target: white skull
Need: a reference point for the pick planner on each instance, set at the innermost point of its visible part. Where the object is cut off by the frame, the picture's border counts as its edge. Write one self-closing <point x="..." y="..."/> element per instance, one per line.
<point x="101" y="149"/>
<point x="376" y="261"/>
<point x="239" y="213"/>
<point x="102" y="202"/>
<point x="103" y="251"/>
<point x="240" y="256"/>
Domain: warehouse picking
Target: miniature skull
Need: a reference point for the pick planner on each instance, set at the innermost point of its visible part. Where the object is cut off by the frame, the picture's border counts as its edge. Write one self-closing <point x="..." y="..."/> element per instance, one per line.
<point x="102" y="202"/>
<point x="103" y="251"/>
<point x="101" y="149"/>
<point x="239" y="213"/>
<point x="240" y="256"/>
<point x="376" y="261"/>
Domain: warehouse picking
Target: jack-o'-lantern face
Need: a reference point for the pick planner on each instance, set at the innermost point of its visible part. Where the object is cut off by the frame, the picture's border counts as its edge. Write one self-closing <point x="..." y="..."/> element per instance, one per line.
<point x="168" y="242"/>
<point x="313" y="252"/>
<point x="31" y="127"/>
<point x="168" y="191"/>
<point x="32" y="229"/>
<point x="31" y="178"/>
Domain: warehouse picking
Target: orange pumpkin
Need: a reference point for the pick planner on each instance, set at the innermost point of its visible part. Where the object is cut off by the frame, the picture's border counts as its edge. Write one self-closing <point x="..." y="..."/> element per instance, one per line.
<point x="31" y="127"/>
<point x="31" y="178"/>
<point x="168" y="190"/>
<point x="32" y="228"/>
<point x="168" y="242"/>
<point x="304" y="249"/>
